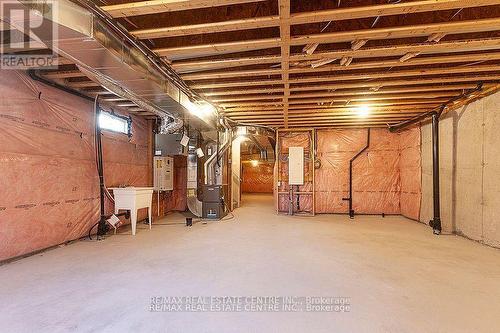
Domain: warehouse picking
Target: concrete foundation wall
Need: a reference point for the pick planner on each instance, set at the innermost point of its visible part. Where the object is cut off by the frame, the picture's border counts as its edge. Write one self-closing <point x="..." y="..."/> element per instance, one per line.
<point x="469" y="171"/>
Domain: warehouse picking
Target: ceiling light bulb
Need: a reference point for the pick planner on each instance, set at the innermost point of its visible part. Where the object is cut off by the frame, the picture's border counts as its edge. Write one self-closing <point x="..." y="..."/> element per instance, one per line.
<point x="363" y="110"/>
<point x="254" y="163"/>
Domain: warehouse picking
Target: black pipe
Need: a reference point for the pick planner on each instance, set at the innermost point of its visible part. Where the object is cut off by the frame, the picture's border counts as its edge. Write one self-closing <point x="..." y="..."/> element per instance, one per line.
<point x="102" y="227"/>
<point x="35" y="76"/>
<point x="435" y="223"/>
<point x="402" y="125"/>
<point x="351" y="210"/>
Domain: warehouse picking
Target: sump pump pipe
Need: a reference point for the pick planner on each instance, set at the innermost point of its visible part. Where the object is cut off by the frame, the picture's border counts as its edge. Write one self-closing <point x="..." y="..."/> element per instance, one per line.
<point x="351" y="210"/>
<point x="435" y="223"/>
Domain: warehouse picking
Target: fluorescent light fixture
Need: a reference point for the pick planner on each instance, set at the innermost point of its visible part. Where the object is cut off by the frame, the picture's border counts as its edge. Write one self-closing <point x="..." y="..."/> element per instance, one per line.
<point x="254" y="163"/>
<point x="363" y="111"/>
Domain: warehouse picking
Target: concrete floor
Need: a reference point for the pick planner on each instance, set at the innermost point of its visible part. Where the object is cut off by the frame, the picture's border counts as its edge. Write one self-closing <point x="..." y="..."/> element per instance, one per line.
<point x="398" y="276"/>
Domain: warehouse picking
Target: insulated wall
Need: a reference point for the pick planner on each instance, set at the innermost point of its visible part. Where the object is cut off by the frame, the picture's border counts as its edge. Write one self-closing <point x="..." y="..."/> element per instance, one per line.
<point x="257" y="179"/>
<point x="469" y="171"/>
<point x="386" y="176"/>
<point x="376" y="181"/>
<point x="410" y="172"/>
<point x="49" y="187"/>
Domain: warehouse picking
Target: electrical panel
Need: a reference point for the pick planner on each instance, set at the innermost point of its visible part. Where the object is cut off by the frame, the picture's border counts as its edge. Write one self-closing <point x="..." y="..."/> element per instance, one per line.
<point x="163" y="173"/>
<point x="296" y="166"/>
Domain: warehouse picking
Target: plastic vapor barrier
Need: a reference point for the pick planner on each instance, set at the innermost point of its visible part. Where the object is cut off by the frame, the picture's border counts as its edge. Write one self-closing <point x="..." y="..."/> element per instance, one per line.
<point x="49" y="186"/>
<point x="257" y="179"/>
<point x="386" y="176"/>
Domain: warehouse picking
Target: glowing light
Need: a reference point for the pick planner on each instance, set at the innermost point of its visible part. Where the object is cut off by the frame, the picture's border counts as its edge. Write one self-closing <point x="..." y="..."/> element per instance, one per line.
<point x="202" y="110"/>
<point x="241" y="130"/>
<point x="254" y="163"/>
<point x="363" y="110"/>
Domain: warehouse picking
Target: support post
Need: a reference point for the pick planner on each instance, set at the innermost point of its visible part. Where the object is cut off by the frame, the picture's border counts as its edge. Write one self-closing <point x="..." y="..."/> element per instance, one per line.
<point x="435" y="223"/>
<point x="102" y="227"/>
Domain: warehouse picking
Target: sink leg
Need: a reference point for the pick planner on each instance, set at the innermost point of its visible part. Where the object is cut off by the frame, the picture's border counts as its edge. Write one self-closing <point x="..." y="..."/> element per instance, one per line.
<point x="133" y="220"/>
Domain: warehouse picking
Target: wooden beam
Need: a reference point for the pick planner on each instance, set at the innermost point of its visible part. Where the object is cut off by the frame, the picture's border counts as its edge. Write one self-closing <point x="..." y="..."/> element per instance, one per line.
<point x="336" y="77"/>
<point x="63" y="74"/>
<point x="370" y="84"/>
<point x="242" y="92"/>
<point x="322" y="93"/>
<point x="206" y="28"/>
<point x="284" y="11"/>
<point x="309" y="17"/>
<point x="406" y="82"/>
<point x="421" y="30"/>
<point x="194" y="51"/>
<point x="199" y="65"/>
<point x="323" y="108"/>
<point x="403" y="73"/>
<point x="386" y="51"/>
<point x="324" y="114"/>
<point x="162" y="6"/>
<point x="351" y="13"/>
<point x="83" y="84"/>
<point x="326" y="97"/>
<point x="190" y="51"/>
<point x="435" y="89"/>
<point x="459" y="87"/>
<point x="343" y="102"/>
<point x="474" y="57"/>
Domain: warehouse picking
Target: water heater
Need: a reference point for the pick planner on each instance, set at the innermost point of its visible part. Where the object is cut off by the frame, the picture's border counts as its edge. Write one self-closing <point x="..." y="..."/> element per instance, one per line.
<point x="163" y="173"/>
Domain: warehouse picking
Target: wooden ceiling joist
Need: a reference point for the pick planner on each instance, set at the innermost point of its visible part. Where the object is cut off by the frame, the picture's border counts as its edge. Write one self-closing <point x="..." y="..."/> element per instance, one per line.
<point x="194" y="51"/>
<point x="205" y="28"/>
<point x="385" y="51"/>
<point x="162" y="6"/>
<point x="351" y="13"/>
<point x="435" y="89"/>
<point x="63" y="74"/>
<point x="324" y="93"/>
<point x="421" y="30"/>
<point x="309" y="17"/>
<point x="349" y="102"/>
<point x="474" y="78"/>
<point x="431" y="60"/>
<point x="323" y="108"/>
<point x="348" y="77"/>
<point x="398" y="69"/>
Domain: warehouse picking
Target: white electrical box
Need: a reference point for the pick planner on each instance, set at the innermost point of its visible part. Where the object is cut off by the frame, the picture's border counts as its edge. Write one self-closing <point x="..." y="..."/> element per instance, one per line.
<point x="163" y="173"/>
<point x="296" y="166"/>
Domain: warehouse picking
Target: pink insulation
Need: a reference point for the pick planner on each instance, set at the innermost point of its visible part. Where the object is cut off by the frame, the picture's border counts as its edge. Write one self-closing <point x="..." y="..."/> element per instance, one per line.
<point x="375" y="172"/>
<point x="257" y="179"/>
<point x="386" y="177"/>
<point x="49" y="187"/>
<point x="295" y="139"/>
<point x="411" y="173"/>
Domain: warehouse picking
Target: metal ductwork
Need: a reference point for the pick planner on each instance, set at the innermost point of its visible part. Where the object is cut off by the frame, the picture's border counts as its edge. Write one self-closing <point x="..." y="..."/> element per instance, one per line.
<point x="222" y="147"/>
<point x="107" y="54"/>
